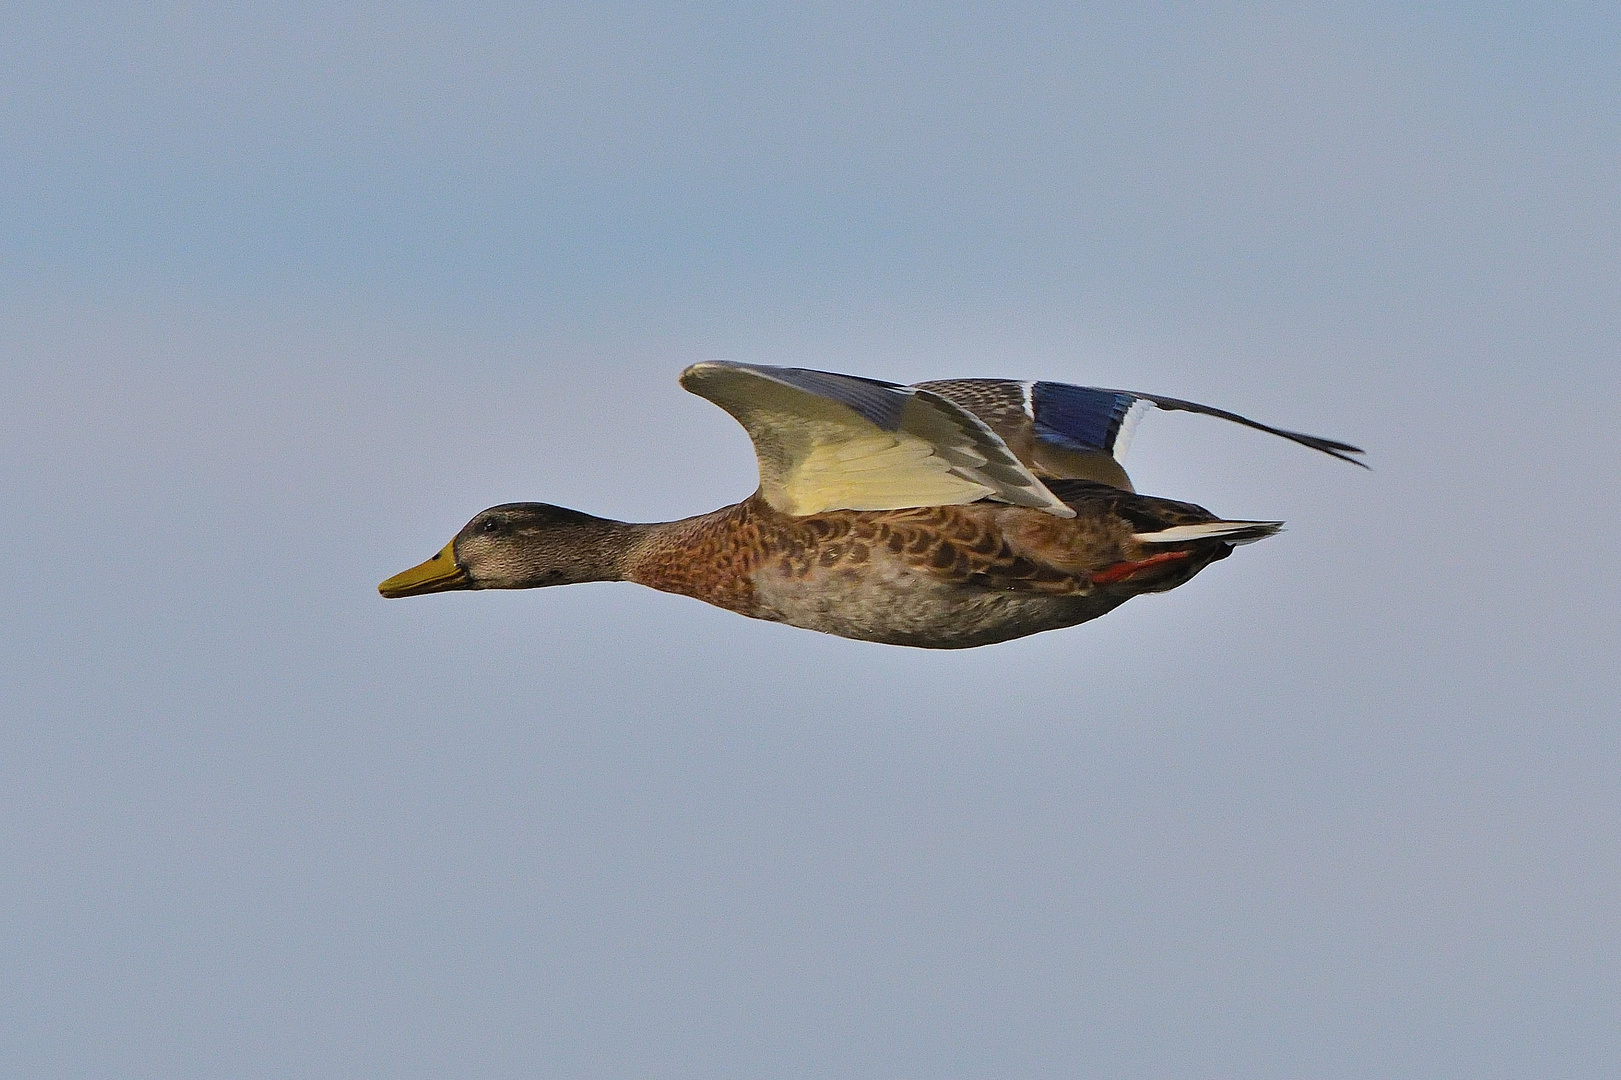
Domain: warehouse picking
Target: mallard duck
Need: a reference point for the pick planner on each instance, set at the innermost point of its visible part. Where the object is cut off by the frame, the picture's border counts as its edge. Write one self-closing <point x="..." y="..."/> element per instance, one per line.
<point x="943" y="515"/>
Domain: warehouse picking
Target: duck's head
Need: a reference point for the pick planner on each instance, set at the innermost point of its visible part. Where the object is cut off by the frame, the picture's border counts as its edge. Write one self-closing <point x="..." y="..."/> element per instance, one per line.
<point x="521" y="546"/>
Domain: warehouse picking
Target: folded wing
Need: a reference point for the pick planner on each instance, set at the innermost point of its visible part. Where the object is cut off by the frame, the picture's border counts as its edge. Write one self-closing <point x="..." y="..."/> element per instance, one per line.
<point x="838" y="442"/>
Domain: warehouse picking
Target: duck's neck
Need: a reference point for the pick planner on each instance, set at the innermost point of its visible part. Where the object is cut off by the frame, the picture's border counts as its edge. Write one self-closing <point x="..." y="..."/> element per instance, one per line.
<point x="614" y="545"/>
<point x="594" y="549"/>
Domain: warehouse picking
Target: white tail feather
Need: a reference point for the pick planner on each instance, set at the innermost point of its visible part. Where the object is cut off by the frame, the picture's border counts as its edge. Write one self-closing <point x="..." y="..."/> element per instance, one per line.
<point x="1234" y="532"/>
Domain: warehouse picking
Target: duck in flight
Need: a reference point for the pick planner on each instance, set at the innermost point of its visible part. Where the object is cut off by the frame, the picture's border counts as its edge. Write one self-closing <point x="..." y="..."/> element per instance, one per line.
<point x="943" y="515"/>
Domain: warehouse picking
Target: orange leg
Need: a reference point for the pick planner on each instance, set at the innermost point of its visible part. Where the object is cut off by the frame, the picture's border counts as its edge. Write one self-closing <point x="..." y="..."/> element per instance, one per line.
<point x="1121" y="571"/>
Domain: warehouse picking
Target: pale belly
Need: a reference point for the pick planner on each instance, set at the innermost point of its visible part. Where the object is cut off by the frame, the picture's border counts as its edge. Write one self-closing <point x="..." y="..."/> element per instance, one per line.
<point x="897" y="606"/>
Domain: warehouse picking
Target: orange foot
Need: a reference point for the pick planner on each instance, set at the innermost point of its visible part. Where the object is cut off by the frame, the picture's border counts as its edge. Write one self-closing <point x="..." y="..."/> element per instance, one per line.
<point x="1123" y="570"/>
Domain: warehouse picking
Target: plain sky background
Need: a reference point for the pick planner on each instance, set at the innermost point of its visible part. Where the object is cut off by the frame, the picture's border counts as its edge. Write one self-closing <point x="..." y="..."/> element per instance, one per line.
<point x="287" y="296"/>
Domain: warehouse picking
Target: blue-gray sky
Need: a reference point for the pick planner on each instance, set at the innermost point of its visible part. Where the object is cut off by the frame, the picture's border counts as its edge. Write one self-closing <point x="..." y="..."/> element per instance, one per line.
<point x="286" y="297"/>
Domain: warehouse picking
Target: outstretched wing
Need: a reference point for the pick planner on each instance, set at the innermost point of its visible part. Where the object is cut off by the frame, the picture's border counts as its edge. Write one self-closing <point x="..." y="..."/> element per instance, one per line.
<point x="1080" y="432"/>
<point x="837" y="442"/>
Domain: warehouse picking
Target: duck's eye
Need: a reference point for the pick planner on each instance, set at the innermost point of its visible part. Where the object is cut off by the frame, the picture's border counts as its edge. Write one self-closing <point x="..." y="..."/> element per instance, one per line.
<point x="490" y="525"/>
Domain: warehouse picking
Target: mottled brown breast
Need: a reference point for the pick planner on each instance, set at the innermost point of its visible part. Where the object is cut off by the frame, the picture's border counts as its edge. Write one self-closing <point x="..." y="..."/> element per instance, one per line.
<point x="712" y="557"/>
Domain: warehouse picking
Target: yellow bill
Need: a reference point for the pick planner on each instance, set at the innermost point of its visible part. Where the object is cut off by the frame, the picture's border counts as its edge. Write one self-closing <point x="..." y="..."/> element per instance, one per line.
<point x="436" y="575"/>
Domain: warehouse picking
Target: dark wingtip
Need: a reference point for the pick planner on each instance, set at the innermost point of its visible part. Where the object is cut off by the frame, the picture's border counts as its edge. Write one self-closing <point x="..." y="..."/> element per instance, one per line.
<point x="1331" y="447"/>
